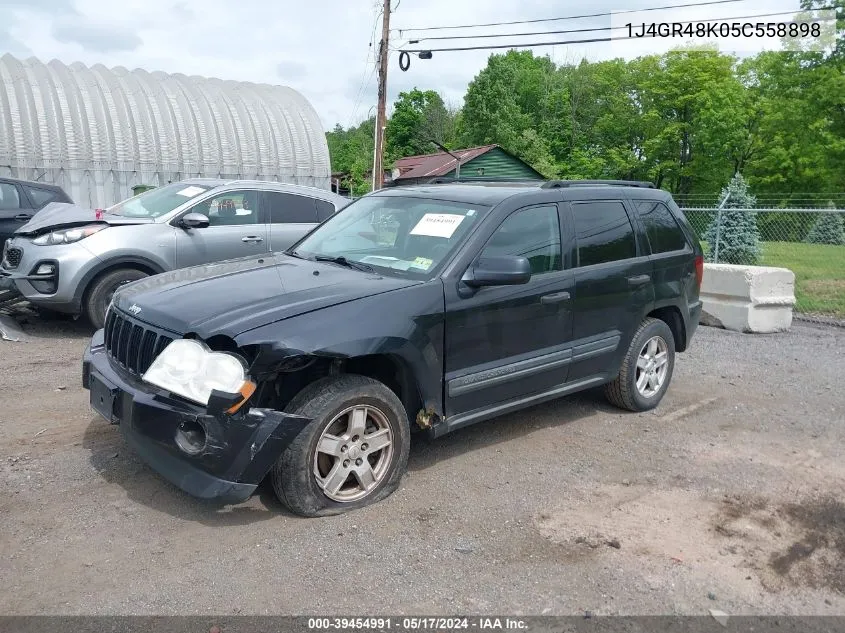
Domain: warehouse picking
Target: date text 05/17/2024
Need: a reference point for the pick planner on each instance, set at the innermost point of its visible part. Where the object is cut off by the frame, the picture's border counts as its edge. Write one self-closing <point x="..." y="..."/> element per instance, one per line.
<point x="417" y="624"/>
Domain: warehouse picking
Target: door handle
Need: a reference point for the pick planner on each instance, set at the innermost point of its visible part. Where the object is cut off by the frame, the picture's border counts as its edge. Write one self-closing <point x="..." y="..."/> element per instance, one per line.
<point x="23" y="217"/>
<point x="252" y="238"/>
<point x="639" y="280"/>
<point x="556" y="297"/>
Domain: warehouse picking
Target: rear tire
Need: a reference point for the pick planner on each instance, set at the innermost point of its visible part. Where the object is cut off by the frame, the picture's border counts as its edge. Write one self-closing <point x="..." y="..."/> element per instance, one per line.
<point x="101" y="292"/>
<point x="312" y="482"/>
<point x="646" y="370"/>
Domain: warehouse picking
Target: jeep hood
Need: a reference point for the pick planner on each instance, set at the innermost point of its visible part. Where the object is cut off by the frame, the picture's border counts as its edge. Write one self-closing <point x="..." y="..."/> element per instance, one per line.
<point x="61" y="215"/>
<point x="237" y="295"/>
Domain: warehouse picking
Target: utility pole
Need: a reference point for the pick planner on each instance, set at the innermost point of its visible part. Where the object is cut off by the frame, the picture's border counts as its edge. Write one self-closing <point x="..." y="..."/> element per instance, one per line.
<point x="381" y="111"/>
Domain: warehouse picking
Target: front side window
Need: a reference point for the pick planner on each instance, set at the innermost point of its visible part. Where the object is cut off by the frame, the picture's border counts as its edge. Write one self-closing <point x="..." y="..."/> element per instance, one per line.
<point x="603" y="231"/>
<point x="664" y="234"/>
<point x="230" y="208"/>
<point x="158" y="202"/>
<point x="9" y="198"/>
<point x="402" y="236"/>
<point x="286" y="208"/>
<point x="532" y="233"/>
<point x="40" y="197"/>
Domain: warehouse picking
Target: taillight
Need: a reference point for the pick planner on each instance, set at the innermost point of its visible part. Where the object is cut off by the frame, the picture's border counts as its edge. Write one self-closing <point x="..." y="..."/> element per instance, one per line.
<point x="699" y="270"/>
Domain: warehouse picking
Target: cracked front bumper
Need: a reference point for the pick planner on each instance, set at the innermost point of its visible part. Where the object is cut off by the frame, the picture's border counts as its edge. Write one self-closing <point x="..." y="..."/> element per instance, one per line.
<point x="237" y="452"/>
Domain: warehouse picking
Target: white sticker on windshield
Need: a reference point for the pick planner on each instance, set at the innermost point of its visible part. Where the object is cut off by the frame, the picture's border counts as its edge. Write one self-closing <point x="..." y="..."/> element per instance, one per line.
<point x="190" y="192"/>
<point x="438" y="225"/>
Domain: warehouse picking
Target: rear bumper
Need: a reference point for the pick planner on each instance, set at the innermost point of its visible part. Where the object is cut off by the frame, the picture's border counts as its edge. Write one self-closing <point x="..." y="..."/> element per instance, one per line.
<point x="238" y="450"/>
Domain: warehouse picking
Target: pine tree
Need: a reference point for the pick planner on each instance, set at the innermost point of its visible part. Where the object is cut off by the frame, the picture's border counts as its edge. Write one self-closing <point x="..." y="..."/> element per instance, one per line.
<point x="828" y="229"/>
<point x="739" y="237"/>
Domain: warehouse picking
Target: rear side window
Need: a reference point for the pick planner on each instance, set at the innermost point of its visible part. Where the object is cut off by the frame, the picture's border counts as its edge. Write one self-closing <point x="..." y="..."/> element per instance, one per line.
<point x="40" y="197"/>
<point x="9" y="198"/>
<point x="661" y="227"/>
<point x="325" y="210"/>
<point x="286" y="208"/>
<point x="603" y="231"/>
<point x="532" y="233"/>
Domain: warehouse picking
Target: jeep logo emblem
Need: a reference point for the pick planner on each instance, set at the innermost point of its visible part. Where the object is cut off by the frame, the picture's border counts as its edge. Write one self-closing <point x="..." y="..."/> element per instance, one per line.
<point x="135" y="309"/>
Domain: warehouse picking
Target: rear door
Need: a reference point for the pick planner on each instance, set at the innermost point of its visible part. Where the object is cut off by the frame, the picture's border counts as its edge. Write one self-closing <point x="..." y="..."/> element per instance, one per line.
<point x="236" y="228"/>
<point x="291" y="217"/>
<point x="613" y="284"/>
<point x="15" y="209"/>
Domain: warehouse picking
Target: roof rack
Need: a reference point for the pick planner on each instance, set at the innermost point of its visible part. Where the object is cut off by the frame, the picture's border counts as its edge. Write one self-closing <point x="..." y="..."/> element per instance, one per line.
<point x="442" y="180"/>
<point x="561" y="184"/>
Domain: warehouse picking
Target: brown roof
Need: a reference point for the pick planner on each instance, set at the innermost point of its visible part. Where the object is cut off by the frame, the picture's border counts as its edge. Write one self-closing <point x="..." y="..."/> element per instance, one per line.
<point x="438" y="164"/>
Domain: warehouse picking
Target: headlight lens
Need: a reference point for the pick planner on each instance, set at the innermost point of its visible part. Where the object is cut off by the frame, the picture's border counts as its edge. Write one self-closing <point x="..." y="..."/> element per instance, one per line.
<point x="188" y="368"/>
<point x="68" y="236"/>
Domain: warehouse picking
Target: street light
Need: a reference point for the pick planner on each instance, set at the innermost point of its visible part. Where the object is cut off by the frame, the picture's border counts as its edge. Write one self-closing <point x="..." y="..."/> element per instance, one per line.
<point x="457" y="158"/>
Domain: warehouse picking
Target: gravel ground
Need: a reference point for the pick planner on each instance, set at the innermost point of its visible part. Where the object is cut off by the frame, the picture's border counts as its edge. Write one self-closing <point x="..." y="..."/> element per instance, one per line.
<point x="729" y="496"/>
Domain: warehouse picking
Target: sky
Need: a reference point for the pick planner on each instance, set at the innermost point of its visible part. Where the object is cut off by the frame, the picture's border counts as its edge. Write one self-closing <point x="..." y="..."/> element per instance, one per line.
<point x="321" y="48"/>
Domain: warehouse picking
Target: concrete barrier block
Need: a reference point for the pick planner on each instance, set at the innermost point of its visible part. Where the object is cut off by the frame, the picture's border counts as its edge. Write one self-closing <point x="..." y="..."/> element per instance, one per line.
<point x="747" y="298"/>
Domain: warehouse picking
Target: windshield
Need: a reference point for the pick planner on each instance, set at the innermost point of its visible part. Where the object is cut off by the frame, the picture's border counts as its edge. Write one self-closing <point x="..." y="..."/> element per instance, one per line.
<point x="407" y="237"/>
<point x="157" y="202"/>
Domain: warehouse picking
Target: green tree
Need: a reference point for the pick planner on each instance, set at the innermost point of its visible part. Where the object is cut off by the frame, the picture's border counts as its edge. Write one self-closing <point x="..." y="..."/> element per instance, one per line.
<point x="733" y="233"/>
<point x="418" y="118"/>
<point x="351" y="153"/>
<point x="515" y="102"/>
<point x="828" y="229"/>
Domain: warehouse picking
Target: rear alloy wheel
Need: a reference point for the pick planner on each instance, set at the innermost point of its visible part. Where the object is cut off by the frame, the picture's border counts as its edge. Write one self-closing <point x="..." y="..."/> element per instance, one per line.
<point x="646" y="369"/>
<point x="102" y="291"/>
<point x="353" y="453"/>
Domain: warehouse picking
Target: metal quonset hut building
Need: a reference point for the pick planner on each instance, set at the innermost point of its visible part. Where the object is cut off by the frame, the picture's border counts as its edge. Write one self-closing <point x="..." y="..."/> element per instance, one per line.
<point x="99" y="132"/>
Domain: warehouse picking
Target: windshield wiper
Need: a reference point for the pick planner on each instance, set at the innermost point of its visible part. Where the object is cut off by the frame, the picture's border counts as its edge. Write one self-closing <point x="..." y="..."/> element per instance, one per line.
<point x="349" y="263"/>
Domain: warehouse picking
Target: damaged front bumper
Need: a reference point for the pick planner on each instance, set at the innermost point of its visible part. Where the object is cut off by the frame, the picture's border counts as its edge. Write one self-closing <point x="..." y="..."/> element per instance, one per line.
<point x="210" y="456"/>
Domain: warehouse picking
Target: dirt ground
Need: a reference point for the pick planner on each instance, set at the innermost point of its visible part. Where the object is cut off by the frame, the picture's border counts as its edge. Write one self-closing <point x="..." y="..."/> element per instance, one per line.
<point x="729" y="496"/>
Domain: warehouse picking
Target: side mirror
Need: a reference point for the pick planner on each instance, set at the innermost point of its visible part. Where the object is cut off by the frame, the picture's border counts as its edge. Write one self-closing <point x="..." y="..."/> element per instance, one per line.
<point x="501" y="270"/>
<point x="194" y="221"/>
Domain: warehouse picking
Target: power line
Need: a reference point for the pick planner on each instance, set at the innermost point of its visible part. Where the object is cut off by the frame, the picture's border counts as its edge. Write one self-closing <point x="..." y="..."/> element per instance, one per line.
<point x="569" y="17"/>
<point x="365" y="82"/>
<point x="586" y="30"/>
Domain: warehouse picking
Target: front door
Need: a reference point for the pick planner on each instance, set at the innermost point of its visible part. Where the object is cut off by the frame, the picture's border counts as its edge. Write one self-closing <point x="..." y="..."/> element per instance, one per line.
<point x="510" y="341"/>
<point x="613" y="286"/>
<point x="236" y="229"/>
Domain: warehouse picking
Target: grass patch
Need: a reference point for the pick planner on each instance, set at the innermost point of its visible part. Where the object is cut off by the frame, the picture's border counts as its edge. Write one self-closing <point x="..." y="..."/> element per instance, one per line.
<point x="819" y="274"/>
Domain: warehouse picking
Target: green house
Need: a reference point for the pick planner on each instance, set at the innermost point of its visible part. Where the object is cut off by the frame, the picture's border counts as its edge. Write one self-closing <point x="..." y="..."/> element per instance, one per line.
<point x="489" y="162"/>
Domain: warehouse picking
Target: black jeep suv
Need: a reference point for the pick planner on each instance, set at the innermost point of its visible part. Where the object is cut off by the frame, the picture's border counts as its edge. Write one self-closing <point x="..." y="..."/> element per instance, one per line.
<point x="436" y="306"/>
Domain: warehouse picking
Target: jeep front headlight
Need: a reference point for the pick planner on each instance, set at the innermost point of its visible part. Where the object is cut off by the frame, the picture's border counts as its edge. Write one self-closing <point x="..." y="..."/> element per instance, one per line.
<point x="190" y="369"/>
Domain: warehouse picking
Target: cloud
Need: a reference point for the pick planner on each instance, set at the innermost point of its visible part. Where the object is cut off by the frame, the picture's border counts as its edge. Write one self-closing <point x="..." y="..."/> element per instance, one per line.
<point x="289" y="70"/>
<point x="321" y="49"/>
<point x="96" y="37"/>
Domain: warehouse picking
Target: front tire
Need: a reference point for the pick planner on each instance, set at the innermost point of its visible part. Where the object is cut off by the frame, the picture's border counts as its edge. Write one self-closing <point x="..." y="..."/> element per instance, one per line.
<point x="102" y="291"/>
<point x="646" y="370"/>
<point x="352" y="454"/>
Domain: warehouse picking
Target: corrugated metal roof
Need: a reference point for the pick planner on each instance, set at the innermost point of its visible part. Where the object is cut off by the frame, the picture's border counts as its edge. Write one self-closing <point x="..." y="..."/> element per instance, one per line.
<point x="97" y="132"/>
<point x="438" y="164"/>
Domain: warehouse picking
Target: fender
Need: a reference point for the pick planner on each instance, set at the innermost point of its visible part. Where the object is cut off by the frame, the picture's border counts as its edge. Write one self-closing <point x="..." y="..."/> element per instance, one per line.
<point x="115" y="262"/>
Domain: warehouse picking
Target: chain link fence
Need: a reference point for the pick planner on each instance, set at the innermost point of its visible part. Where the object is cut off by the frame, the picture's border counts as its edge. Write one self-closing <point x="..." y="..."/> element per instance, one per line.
<point x="809" y="242"/>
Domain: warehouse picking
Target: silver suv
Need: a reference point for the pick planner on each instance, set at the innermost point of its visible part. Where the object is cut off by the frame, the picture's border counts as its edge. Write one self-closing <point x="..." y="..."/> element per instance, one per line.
<point x="71" y="259"/>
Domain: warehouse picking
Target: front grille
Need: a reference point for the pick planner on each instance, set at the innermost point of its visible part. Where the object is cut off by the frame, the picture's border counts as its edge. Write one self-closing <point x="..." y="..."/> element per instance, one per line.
<point x="132" y="344"/>
<point x="12" y="256"/>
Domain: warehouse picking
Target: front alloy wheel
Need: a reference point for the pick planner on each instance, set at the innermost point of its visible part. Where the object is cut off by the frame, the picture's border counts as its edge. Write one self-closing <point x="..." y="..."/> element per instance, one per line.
<point x="353" y="453"/>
